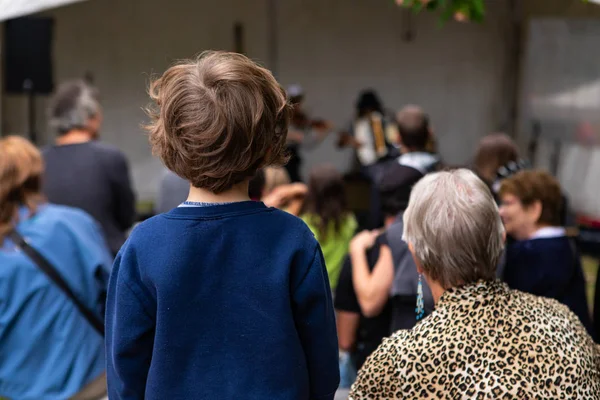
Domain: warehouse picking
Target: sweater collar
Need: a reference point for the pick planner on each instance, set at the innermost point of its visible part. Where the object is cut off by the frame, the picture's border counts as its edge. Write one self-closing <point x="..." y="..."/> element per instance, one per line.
<point x="218" y="211"/>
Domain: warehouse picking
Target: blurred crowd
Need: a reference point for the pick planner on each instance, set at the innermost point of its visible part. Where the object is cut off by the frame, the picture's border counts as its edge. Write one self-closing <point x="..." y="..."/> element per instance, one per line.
<point x="434" y="241"/>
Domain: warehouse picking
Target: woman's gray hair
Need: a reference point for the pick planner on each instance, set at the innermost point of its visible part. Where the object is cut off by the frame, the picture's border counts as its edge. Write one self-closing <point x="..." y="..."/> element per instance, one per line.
<point x="73" y="105"/>
<point x="453" y="225"/>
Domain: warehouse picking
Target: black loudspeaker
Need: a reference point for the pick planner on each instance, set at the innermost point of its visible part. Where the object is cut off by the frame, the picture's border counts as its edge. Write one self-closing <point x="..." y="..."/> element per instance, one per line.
<point x="28" y="55"/>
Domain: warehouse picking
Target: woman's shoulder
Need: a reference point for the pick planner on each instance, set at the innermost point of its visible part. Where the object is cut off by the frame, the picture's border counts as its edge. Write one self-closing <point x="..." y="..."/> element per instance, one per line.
<point x="54" y="228"/>
<point x="544" y="306"/>
<point x="408" y="343"/>
<point x="51" y="219"/>
<point x="558" y="243"/>
<point x="543" y="251"/>
<point x="551" y="315"/>
<point x="54" y="213"/>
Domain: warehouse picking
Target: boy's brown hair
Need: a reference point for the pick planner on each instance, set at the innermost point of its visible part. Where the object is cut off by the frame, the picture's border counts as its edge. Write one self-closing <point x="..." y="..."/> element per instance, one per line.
<point x="218" y="119"/>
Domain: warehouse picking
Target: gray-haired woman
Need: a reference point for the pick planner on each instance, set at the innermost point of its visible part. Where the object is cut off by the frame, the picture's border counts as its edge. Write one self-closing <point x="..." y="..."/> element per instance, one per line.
<point x="483" y="340"/>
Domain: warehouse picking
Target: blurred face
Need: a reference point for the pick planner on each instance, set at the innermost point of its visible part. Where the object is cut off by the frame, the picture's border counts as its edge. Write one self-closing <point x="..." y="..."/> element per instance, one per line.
<point x="519" y="221"/>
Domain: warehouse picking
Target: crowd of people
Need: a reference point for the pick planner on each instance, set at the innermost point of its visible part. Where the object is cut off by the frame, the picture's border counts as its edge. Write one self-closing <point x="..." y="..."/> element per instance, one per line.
<point x="249" y="283"/>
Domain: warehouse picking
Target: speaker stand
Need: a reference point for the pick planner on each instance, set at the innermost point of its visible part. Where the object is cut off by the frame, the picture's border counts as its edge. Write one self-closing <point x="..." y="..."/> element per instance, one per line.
<point x="31" y="128"/>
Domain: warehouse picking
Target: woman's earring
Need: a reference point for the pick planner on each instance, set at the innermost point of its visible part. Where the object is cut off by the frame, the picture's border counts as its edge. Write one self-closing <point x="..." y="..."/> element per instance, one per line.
<point x="420" y="310"/>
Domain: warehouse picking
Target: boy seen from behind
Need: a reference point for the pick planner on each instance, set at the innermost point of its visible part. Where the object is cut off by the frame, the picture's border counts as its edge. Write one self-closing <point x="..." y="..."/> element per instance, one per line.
<point x="222" y="297"/>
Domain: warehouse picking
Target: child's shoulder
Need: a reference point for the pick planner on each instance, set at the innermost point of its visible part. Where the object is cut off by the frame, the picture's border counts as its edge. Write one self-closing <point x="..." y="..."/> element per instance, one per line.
<point x="284" y="216"/>
<point x="291" y="222"/>
<point x="147" y="229"/>
<point x="291" y="230"/>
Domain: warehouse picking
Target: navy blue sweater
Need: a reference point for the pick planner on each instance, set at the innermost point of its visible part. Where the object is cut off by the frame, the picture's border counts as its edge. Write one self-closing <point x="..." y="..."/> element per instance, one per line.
<point x="221" y="302"/>
<point x="548" y="267"/>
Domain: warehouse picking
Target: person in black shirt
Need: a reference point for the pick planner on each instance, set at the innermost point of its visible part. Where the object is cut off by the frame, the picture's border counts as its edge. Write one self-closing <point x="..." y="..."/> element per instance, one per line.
<point x="83" y="173"/>
<point x="358" y="334"/>
<point x="363" y="323"/>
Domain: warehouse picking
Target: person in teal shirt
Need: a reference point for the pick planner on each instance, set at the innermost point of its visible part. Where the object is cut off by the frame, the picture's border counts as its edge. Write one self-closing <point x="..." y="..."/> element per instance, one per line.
<point x="325" y="211"/>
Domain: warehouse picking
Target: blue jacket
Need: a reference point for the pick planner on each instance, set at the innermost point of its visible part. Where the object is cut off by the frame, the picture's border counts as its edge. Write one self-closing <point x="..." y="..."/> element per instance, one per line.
<point x="222" y="302"/>
<point x="48" y="351"/>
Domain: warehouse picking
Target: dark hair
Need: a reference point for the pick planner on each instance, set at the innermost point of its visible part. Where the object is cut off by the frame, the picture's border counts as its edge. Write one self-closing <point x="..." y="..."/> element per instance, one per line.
<point x="218" y="119"/>
<point x="413" y="127"/>
<point x="394" y="201"/>
<point x="368" y="101"/>
<point x="326" y="198"/>
<point x="493" y="152"/>
<point x="530" y="186"/>
<point x="257" y="185"/>
<point x="395" y="189"/>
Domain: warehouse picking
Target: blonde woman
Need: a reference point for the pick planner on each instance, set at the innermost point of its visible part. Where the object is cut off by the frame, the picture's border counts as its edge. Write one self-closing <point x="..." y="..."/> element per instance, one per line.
<point x="48" y="349"/>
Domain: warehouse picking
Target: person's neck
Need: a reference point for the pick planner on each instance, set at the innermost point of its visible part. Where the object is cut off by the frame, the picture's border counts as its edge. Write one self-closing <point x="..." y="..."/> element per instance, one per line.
<point x="237" y="193"/>
<point x="527" y="232"/>
<point x="74" y="137"/>
<point x="436" y="289"/>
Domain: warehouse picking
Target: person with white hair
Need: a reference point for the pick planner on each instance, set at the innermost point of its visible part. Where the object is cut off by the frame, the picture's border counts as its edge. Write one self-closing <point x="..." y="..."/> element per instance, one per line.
<point x="483" y="340"/>
<point x="80" y="171"/>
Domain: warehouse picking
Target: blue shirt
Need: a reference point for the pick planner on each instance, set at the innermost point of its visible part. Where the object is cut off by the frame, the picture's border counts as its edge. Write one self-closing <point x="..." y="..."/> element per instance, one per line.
<point x="48" y="351"/>
<point x="224" y="302"/>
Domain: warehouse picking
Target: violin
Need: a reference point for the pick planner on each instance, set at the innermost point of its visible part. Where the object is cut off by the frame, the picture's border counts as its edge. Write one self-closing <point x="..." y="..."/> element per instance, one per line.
<point x="301" y="121"/>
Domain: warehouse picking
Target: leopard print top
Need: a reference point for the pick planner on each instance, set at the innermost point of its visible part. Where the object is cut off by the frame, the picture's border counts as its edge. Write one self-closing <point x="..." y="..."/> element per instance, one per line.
<point x="485" y="341"/>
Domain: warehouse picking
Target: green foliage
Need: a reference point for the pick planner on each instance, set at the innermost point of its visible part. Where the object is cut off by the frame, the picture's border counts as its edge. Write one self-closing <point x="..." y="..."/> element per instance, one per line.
<point x="472" y="10"/>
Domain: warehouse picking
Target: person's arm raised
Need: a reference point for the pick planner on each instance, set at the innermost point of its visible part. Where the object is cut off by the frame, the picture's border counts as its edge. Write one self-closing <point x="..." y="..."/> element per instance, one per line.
<point x="291" y="195"/>
<point x="372" y="288"/>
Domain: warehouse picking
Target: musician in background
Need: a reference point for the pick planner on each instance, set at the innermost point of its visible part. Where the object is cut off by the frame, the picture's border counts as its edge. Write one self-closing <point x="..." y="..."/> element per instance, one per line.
<point x="303" y="132"/>
<point x="373" y="134"/>
<point x="375" y="137"/>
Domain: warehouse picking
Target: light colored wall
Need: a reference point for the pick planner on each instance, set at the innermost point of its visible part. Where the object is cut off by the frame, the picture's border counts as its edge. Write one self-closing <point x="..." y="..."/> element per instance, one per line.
<point x="456" y="71"/>
<point x="333" y="48"/>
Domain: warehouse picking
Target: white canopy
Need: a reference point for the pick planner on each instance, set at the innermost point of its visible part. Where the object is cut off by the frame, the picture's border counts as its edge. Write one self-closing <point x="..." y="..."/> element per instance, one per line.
<point x="18" y="8"/>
